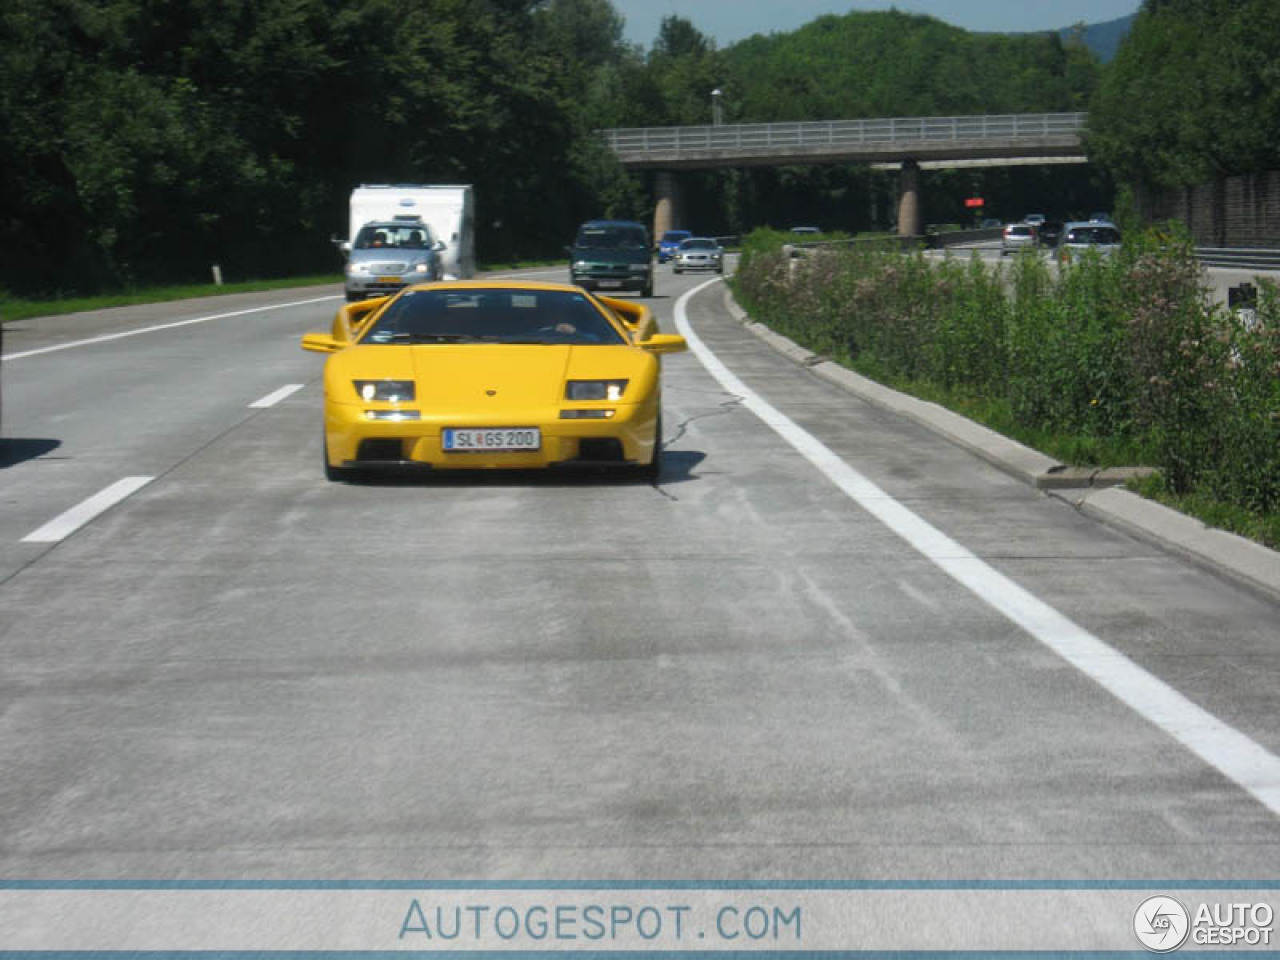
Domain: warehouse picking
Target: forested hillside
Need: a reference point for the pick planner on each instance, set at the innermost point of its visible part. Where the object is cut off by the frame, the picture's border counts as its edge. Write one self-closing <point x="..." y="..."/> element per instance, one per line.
<point x="896" y="64"/>
<point x="1193" y="94"/>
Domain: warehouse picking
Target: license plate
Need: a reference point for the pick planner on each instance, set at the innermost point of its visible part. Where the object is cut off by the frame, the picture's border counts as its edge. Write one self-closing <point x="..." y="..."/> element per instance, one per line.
<point x="387" y="279"/>
<point x="610" y="283"/>
<point x="502" y="438"/>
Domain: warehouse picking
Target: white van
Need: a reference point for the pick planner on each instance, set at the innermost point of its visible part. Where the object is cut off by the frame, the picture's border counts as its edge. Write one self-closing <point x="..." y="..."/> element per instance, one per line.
<point x="449" y="210"/>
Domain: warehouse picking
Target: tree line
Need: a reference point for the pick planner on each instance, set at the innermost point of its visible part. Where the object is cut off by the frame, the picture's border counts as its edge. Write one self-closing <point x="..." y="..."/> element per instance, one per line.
<point x="143" y="140"/>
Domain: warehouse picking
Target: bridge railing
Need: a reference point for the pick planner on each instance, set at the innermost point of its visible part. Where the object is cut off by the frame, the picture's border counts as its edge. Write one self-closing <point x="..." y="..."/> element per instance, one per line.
<point x="843" y="133"/>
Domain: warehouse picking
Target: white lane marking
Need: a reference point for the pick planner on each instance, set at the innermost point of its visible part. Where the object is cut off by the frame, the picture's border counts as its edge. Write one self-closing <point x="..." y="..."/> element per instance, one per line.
<point x="1216" y="743"/>
<point x="62" y="526"/>
<point x="271" y="399"/>
<point x="162" y="326"/>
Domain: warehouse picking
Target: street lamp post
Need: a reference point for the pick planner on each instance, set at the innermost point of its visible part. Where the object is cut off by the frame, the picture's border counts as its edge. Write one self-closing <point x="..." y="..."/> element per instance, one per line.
<point x="717" y="117"/>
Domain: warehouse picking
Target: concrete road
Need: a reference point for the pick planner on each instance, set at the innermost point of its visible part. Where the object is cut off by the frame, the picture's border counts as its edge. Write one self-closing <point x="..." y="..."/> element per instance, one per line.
<point x="749" y="670"/>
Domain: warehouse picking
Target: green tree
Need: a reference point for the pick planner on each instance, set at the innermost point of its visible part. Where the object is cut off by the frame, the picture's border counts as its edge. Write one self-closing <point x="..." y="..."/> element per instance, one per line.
<point x="1193" y="94"/>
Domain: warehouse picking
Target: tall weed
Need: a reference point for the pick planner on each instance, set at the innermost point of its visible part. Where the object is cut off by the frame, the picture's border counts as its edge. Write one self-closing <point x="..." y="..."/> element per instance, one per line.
<point x="1123" y="348"/>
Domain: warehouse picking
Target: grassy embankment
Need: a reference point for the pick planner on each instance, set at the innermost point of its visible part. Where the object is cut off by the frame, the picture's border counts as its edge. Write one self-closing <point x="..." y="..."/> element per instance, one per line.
<point x="1104" y="362"/>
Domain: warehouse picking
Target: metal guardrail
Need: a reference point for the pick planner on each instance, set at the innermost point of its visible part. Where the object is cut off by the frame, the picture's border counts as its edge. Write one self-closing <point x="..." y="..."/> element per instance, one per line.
<point x="1245" y="258"/>
<point x="844" y="133"/>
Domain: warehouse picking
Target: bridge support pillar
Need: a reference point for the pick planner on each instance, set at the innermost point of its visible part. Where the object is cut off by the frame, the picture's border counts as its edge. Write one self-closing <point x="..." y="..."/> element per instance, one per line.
<point x="909" y="222"/>
<point x="667" y="210"/>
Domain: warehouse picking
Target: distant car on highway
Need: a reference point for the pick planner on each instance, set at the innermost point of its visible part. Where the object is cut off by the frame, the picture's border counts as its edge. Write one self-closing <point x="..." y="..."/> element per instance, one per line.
<point x="388" y="255"/>
<point x="612" y="255"/>
<point x="699" y="253"/>
<point x="670" y="242"/>
<point x="1100" y="216"/>
<point x="805" y="231"/>
<point x="1017" y="236"/>
<point x="1034" y="218"/>
<point x="1048" y="232"/>
<point x="991" y="223"/>
<point x="1080" y="236"/>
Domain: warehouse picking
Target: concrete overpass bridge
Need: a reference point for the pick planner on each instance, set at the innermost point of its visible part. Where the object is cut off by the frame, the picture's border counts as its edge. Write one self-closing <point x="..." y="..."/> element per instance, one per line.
<point x="908" y="142"/>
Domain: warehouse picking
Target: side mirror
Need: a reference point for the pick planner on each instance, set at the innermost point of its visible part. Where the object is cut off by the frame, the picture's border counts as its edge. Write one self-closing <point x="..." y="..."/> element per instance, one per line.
<point x="637" y="317"/>
<point x="321" y="343"/>
<point x="664" y="343"/>
<point x="351" y="317"/>
<point x="439" y="246"/>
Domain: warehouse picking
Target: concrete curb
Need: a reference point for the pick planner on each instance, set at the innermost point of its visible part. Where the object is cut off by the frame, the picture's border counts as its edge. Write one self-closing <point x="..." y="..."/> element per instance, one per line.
<point x="1217" y="550"/>
<point x="1093" y="492"/>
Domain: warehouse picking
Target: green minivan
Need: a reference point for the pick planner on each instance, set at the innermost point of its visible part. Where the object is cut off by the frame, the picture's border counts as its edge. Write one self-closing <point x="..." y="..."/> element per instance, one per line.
<point x="612" y="255"/>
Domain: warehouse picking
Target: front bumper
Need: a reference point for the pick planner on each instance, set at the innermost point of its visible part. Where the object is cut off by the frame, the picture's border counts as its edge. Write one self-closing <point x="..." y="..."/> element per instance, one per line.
<point x="354" y="441"/>
<point x="701" y="263"/>
<point x="605" y="283"/>
<point x="361" y="287"/>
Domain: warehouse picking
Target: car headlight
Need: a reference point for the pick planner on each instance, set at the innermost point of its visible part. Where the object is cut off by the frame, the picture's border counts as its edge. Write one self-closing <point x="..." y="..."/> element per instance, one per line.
<point x="594" y="389"/>
<point x="640" y="267"/>
<point x="387" y="391"/>
<point x="357" y="268"/>
<point x="580" y="264"/>
<point x="422" y="268"/>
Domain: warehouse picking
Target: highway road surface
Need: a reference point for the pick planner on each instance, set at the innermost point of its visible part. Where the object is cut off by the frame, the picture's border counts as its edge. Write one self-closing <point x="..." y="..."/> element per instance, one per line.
<point x="826" y="645"/>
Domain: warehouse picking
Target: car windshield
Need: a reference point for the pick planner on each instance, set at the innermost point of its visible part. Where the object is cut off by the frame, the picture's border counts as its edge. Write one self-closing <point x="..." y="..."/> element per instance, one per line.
<point x="1019" y="231"/>
<point x="405" y="236"/>
<point x="1101" y="235"/>
<point x="674" y="236"/>
<point x="612" y="238"/>
<point x="698" y="243"/>
<point x="492" y="316"/>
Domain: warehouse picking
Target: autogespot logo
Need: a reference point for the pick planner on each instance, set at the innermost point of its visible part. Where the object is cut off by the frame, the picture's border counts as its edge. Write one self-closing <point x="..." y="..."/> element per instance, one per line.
<point x="1161" y="924"/>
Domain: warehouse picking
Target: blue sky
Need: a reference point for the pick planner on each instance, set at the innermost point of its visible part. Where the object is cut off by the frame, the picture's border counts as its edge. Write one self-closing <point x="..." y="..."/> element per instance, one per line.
<point x="727" y="21"/>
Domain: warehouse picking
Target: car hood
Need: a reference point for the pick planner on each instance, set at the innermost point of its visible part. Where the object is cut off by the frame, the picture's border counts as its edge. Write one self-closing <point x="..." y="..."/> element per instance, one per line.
<point x="490" y="377"/>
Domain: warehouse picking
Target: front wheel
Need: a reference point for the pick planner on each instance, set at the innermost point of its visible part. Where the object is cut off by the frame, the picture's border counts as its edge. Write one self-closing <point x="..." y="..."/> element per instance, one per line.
<point x="648" y="288"/>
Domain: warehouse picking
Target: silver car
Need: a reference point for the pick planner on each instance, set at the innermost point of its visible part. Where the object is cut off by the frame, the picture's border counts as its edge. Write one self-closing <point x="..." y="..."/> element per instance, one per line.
<point x="391" y="254"/>
<point x="1080" y="236"/>
<point x="1017" y="236"/>
<point x="699" y="253"/>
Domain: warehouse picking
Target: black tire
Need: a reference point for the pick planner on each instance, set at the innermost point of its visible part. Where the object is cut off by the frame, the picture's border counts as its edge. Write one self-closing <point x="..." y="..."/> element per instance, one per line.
<point x="353" y="297"/>
<point x="677" y="270"/>
<point x="648" y="288"/>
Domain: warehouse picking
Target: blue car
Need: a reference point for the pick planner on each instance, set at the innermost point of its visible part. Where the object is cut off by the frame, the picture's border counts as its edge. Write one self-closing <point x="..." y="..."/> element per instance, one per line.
<point x="670" y="243"/>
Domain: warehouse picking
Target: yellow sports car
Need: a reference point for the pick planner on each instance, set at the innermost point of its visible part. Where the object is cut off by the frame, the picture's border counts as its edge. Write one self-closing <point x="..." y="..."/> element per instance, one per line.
<point x="492" y="374"/>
